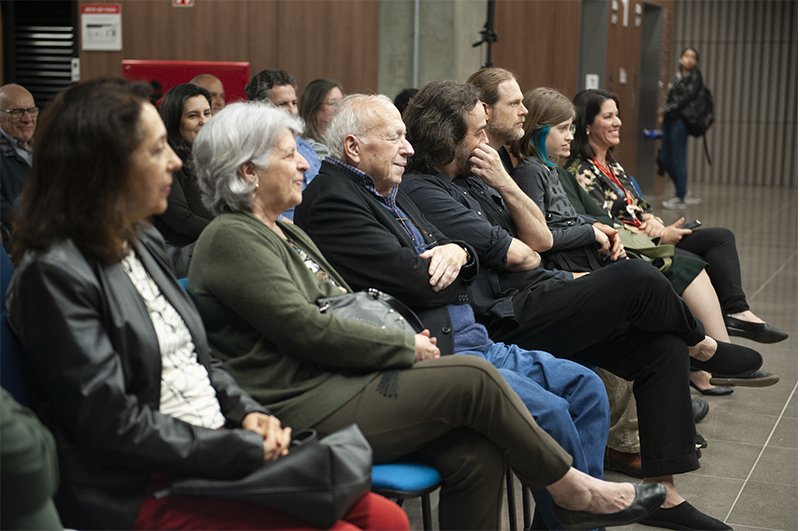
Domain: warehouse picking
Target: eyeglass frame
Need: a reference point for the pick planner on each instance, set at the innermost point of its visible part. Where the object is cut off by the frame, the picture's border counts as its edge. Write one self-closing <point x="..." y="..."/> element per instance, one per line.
<point x="33" y="111"/>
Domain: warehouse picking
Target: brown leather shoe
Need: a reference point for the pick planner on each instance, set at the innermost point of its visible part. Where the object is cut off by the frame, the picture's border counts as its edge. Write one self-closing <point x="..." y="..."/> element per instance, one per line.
<point x="628" y="464"/>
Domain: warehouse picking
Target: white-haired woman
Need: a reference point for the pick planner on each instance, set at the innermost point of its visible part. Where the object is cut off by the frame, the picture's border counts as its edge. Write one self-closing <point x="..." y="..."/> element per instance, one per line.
<point x="256" y="281"/>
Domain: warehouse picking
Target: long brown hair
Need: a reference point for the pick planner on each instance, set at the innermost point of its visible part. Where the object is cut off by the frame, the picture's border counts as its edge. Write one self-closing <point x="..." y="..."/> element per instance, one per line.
<point x="546" y="107"/>
<point x="78" y="183"/>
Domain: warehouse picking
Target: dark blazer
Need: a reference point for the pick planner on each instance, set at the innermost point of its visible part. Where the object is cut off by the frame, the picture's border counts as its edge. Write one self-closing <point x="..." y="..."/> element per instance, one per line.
<point x="13" y="176"/>
<point x="370" y="249"/>
<point x="94" y="360"/>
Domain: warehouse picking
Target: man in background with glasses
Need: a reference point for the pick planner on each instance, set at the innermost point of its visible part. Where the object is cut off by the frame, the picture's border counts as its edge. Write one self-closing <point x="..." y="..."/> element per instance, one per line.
<point x="18" y="114"/>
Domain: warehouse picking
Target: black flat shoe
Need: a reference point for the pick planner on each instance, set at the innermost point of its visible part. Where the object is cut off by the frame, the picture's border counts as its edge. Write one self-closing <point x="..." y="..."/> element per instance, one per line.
<point x="700" y="409"/>
<point x="714" y="391"/>
<point x="730" y="360"/>
<point x="649" y="496"/>
<point x="755" y="379"/>
<point x="683" y="516"/>
<point x="699" y="441"/>
<point x="761" y="332"/>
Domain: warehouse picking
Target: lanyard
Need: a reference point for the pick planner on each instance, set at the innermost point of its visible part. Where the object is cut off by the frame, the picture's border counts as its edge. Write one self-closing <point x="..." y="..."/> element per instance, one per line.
<point x="630" y="209"/>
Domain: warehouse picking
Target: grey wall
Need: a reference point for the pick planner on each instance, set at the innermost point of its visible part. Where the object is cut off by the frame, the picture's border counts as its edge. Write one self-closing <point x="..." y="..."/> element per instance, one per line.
<point x="748" y="57"/>
<point x="447" y="29"/>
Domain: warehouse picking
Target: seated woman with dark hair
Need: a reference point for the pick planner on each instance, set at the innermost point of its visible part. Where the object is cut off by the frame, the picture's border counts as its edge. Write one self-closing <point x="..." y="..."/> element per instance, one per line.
<point x="594" y="166"/>
<point x="257" y="280"/>
<point x="580" y="243"/>
<point x="316" y="107"/>
<point x="117" y="352"/>
<point x="184" y="109"/>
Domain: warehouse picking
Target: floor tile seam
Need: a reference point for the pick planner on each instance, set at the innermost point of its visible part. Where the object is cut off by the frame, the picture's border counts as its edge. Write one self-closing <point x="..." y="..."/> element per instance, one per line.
<point x="699" y="473"/>
<point x="752" y="469"/>
<point x="741" y="526"/>
<point x="724" y="441"/>
<point x="773" y="275"/>
<point x="773" y="483"/>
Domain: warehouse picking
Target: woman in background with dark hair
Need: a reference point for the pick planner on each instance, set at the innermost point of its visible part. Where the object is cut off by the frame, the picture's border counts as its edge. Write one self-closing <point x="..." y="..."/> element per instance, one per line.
<point x="672" y="157"/>
<point x="184" y="109"/>
<point x="117" y="352"/>
<point x="316" y="109"/>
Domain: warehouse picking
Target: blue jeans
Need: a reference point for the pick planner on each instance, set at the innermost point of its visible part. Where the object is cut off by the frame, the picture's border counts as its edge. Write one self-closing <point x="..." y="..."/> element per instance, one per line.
<point x="566" y="399"/>
<point x="673" y="153"/>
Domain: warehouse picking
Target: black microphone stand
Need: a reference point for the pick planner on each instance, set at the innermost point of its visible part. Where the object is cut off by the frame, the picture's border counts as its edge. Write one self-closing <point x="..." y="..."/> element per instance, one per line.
<point x="488" y="35"/>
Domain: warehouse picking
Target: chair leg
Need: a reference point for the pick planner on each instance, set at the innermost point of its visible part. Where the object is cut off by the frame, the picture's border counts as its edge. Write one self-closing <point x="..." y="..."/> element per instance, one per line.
<point x="527" y="518"/>
<point x="512" y="500"/>
<point x="427" y="519"/>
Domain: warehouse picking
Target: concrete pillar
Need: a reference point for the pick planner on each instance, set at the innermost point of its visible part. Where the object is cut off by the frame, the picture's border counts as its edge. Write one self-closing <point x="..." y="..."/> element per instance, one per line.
<point x="447" y="29"/>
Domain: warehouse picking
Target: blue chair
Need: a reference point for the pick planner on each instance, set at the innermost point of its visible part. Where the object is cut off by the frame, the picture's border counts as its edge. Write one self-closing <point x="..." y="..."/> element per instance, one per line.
<point x="400" y="481"/>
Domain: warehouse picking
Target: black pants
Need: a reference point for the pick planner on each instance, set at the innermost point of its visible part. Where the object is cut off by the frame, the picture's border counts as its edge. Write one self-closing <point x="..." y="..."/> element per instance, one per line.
<point x="457" y="414"/>
<point x="717" y="246"/>
<point x="627" y="319"/>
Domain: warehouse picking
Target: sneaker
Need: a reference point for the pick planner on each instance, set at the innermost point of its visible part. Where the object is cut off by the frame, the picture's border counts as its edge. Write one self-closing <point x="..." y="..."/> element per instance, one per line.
<point x="691" y="200"/>
<point x="676" y="203"/>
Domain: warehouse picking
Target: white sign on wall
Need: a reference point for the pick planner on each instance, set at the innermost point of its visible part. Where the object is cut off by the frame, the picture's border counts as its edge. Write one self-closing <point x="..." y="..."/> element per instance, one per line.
<point x="101" y="27"/>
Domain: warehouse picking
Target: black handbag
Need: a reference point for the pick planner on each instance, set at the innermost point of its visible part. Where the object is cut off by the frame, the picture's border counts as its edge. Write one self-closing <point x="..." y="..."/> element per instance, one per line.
<point x="373" y="307"/>
<point x="319" y="481"/>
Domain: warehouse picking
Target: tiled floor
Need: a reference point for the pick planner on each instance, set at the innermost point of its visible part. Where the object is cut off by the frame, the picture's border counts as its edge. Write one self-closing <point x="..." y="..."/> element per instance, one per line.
<point x="748" y="473"/>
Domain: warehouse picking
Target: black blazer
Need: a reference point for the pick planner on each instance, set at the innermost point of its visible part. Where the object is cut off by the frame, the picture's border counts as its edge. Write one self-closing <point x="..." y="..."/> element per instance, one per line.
<point x="370" y="249"/>
<point x="95" y="365"/>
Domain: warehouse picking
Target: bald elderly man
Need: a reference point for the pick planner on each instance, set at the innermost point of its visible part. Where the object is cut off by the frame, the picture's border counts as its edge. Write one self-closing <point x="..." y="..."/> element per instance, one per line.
<point x="214" y="87"/>
<point x="18" y="114"/>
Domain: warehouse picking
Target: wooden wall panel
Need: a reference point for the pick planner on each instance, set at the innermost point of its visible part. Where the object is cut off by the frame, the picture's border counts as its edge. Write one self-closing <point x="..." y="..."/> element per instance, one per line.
<point x="337" y="39"/>
<point x="209" y="31"/>
<point x="262" y="48"/>
<point x="539" y="41"/>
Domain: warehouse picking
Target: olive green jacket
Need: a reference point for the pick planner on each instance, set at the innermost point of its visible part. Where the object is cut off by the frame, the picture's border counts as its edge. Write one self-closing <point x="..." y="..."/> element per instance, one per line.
<point x="258" y="302"/>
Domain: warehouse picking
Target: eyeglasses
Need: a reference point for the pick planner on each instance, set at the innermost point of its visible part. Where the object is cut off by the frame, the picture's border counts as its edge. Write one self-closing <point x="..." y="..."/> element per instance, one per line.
<point x="17" y="113"/>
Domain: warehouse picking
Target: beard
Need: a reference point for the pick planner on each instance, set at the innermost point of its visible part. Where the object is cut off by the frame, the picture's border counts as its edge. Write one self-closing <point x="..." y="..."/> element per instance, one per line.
<point x="462" y="160"/>
<point x="505" y="135"/>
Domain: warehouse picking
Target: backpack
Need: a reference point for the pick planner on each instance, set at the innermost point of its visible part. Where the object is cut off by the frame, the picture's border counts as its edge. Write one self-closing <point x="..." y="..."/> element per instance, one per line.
<point x="698" y="115"/>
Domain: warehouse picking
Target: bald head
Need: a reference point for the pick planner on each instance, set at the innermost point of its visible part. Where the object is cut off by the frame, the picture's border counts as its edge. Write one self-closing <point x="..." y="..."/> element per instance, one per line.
<point x="368" y="133"/>
<point x="214" y="87"/>
<point x="17" y="97"/>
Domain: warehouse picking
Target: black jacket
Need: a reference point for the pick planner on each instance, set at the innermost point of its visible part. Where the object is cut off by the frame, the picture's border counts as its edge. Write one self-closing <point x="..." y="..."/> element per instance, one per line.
<point x="93" y="357"/>
<point x="370" y="249"/>
<point x="682" y="91"/>
<point x="186" y="216"/>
